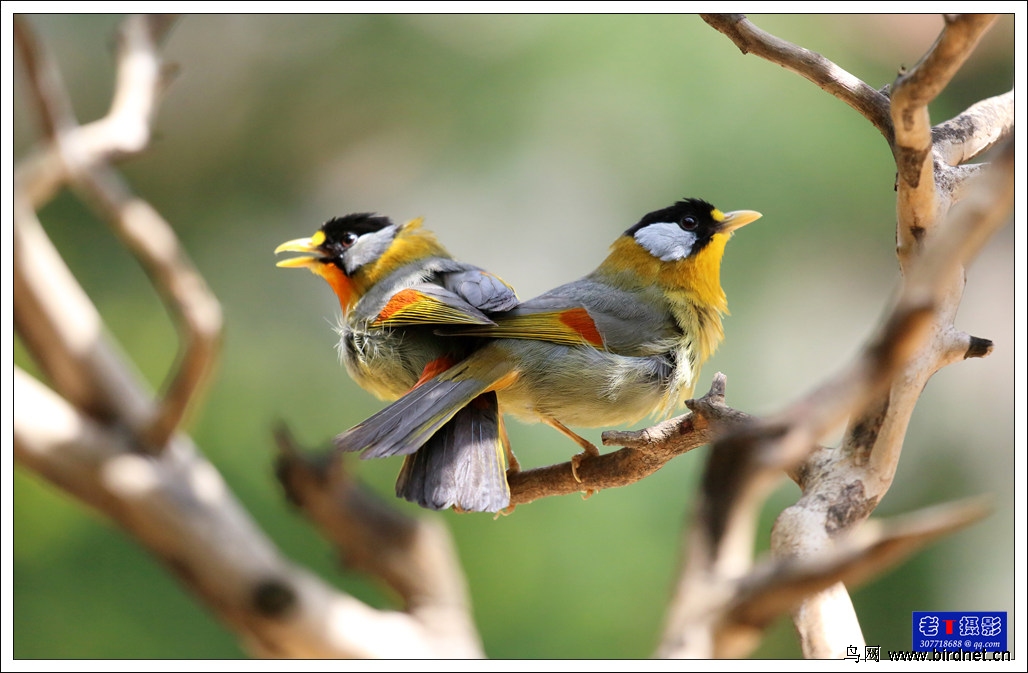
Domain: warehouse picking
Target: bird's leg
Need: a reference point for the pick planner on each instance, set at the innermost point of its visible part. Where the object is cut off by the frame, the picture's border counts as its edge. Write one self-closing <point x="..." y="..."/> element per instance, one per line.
<point x="589" y="449"/>
<point x="513" y="466"/>
<point x="512" y="462"/>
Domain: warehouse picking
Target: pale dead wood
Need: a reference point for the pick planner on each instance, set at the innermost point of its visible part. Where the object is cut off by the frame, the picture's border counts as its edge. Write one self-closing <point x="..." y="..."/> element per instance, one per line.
<point x="869" y="102"/>
<point x="100" y="436"/>
<point x="917" y="200"/>
<point x="91" y="437"/>
<point x="917" y="339"/>
<point x="125" y="130"/>
<point x="415" y="557"/>
<point x="746" y="462"/>
<point x="193" y="308"/>
<point x="177" y="506"/>
<point x="842" y="488"/>
<point x="776" y="586"/>
<point x="78" y="155"/>
<point x="64" y="332"/>
<point x="974" y="131"/>
<point x="848" y="486"/>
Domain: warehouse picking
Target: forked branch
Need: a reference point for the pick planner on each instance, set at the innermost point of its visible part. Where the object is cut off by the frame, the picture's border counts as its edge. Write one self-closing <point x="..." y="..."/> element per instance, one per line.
<point x="842" y="487"/>
<point x="869" y="102"/>
<point x="79" y="156"/>
<point x="99" y="435"/>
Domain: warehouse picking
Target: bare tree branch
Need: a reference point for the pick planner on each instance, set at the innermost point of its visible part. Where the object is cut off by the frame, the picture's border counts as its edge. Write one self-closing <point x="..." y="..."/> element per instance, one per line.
<point x="744" y="462"/>
<point x="194" y="309"/>
<point x="99" y="434"/>
<point x="118" y="452"/>
<point x="44" y="79"/>
<point x="776" y="587"/>
<point x="869" y="102"/>
<point x="971" y="223"/>
<point x="414" y="557"/>
<point x="178" y="507"/>
<point x="842" y="488"/>
<point x="646" y="452"/>
<point x="917" y="200"/>
<point x="974" y="131"/>
<point x="920" y="85"/>
<point x="747" y="461"/>
<point x="126" y="128"/>
<point x="65" y="333"/>
<point x="83" y="151"/>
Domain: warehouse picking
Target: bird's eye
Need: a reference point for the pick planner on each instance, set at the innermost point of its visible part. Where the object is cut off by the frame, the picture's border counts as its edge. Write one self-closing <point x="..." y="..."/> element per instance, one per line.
<point x="349" y="238"/>
<point x="688" y="223"/>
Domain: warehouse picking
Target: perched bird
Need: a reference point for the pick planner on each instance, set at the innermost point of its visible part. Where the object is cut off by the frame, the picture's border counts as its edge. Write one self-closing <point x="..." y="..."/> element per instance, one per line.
<point x="396" y="285"/>
<point x="624" y="342"/>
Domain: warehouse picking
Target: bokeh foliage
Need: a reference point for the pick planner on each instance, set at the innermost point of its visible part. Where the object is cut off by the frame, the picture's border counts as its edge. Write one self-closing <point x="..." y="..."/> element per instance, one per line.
<point x="528" y="143"/>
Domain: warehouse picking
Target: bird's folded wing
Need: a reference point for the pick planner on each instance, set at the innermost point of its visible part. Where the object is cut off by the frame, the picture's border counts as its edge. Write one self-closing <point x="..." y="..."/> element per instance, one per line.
<point x="481" y="289"/>
<point x="587" y="313"/>
<point x="571" y="327"/>
<point x="428" y="304"/>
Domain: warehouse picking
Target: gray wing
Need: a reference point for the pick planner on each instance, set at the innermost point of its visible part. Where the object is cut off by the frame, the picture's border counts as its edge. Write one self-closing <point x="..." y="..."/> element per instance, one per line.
<point x="636" y="322"/>
<point x="437" y="291"/>
<point x="481" y="289"/>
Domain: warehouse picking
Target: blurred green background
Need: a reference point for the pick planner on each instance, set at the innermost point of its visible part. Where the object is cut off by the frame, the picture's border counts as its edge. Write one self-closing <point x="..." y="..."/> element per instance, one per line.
<point x="528" y="143"/>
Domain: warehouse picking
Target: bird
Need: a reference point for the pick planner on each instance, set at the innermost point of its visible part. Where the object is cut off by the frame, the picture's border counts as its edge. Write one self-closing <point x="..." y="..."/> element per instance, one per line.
<point x="624" y="342"/>
<point x="396" y="285"/>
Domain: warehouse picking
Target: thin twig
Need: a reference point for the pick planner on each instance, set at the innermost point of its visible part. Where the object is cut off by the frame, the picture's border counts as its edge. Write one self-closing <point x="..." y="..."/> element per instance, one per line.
<point x="646" y="451"/>
<point x="192" y="306"/>
<point x="80" y="155"/>
<point x="747" y="461"/>
<point x="44" y="81"/>
<point x="866" y="100"/>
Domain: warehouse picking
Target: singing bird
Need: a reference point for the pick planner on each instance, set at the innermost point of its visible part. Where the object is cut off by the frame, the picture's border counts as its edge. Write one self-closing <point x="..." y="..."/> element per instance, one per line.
<point x="622" y="343"/>
<point x="396" y="286"/>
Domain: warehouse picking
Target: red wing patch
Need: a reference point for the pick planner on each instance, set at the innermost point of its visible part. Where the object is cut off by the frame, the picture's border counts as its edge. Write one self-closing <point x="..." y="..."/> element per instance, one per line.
<point x="414" y="307"/>
<point x="437" y="366"/>
<point x="572" y="327"/>
<point x="400" y="302"/>
<point x="581" y="322"/>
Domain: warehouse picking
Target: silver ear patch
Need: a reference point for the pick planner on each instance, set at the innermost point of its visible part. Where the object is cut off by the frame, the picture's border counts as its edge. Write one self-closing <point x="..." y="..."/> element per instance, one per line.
<point x="666" y="241"/>
<point x="369" y="248"/>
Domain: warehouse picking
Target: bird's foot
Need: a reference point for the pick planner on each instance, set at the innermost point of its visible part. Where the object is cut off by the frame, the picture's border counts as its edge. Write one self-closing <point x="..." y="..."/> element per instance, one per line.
<point x="576" y="460"/>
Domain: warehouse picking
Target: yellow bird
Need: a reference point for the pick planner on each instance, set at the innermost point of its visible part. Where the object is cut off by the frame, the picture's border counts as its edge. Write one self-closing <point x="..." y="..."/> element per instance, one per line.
<point x="396" y="286"/>
<point x="624" y="342"/>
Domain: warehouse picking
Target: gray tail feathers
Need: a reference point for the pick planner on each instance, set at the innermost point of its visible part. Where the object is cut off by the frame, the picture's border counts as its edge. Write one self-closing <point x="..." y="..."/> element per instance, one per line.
<point x="462" y="464"/>
<point x="406" y="424"/>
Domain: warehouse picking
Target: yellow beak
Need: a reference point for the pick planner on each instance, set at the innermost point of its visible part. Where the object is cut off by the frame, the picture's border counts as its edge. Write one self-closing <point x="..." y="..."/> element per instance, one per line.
<point x="304" y="245"/>
<point x="738" y="219"/>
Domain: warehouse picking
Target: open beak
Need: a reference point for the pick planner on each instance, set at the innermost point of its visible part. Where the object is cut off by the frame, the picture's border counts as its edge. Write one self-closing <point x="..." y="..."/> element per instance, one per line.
<point x="304" y="245"/>
<point x="738" y="219"/>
